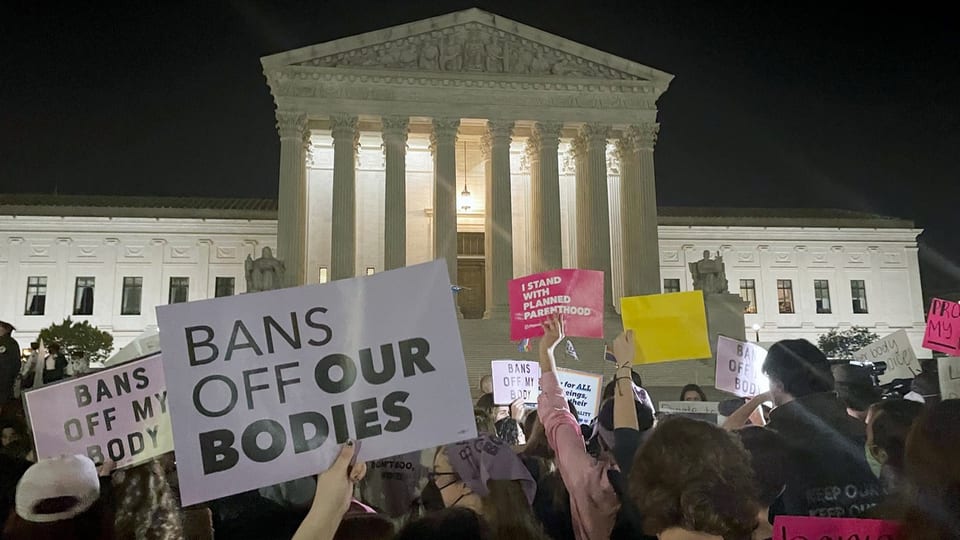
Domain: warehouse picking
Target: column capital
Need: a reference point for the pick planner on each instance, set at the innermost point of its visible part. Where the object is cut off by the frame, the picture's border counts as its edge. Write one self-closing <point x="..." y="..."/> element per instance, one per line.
<point x="644" y="135"/>
<point x="291" y="124"/>
<point x="394" y="129"/>
<point x="547" y="133"/>
<point x="500" y="131"/>
<point x="626" y="147"/>
<point x="579" y="146"/>
<point x="444" y="132"/>
<point x="344" y="125"/>
<point x="595" y="134"/>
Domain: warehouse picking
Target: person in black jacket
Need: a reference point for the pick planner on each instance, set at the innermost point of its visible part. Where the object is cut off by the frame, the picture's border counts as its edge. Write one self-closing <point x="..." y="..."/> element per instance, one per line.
<point x="828" y="474"/>
<point x="9" y="362"/>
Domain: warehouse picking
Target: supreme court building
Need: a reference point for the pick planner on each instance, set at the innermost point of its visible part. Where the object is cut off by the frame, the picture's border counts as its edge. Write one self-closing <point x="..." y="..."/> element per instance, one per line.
<point x="497" y="147"/>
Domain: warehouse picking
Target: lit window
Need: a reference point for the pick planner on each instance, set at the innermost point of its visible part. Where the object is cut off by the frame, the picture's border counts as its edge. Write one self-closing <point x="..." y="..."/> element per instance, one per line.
<point x="371" y="270"/>
<point x="821" y="292"/>
<point x="131" y="296"/>
<point x="179" y="290"/>
<point x="748" y="291"/>
<point x="224" y="287"/>
<point x="858" y="292"/>
<point x="324" y="274"/>
<point x="671" y="285"/>
<point x="785" y="295"/>
<point x="36" y="295"/>
<point x="83" y="296"/>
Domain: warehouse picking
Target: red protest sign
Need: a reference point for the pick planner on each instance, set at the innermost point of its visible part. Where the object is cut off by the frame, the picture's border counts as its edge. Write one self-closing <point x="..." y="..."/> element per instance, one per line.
<point x="943" y="327"/>
<point x="815" y="528"/>
<point x="576" y="295"/>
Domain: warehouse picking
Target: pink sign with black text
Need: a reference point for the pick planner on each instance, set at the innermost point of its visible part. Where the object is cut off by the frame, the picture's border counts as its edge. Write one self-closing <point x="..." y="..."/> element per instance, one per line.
<point x="575" y="295"/>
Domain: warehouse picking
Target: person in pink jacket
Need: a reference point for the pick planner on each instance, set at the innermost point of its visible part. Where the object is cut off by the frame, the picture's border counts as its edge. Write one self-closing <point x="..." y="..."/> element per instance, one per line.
<point x="593" y="502"/>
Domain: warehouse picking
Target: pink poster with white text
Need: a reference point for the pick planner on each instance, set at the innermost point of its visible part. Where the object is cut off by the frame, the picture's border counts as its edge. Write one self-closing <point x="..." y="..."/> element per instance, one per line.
<point x="575" y="295"/>
<point x="803" y="528"/>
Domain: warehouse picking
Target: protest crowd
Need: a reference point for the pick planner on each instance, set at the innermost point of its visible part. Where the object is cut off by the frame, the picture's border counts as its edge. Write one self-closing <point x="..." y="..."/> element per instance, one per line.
<point x="810" y="446"/>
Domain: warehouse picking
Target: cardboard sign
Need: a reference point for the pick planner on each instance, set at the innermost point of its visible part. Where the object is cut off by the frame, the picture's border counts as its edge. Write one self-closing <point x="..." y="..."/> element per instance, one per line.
<point x="576" y="295"/>
<point x="895" y="350"/>
<point x="118" y="414"/>
<point x="948" y="368"/>
<point x="739" y="367"/>
<point x="266" y="387"/>
<point x="584" y="390"/>
<point x="667" y="327"/>
<point x="515" y="379"/>
<point x="816" y="528"/>
<point x="943" y="327"/>
<point x="708" y="411"/>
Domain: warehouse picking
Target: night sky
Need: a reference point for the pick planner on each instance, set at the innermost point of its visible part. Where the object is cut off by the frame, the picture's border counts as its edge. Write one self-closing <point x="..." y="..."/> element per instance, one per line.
<point x="803" y="105"/>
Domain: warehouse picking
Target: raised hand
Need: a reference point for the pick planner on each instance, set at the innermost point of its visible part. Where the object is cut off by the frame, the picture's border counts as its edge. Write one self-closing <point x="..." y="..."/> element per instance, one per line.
<point x="552" y="333"/>
<point x="624" y="348"/>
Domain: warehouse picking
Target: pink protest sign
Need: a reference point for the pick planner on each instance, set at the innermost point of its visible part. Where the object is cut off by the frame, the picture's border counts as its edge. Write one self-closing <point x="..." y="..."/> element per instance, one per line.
<point x="576" y="295"/>
<point x="118" y="414"/>
<point x="815" y="528"/>
<point x="943" y="327"/>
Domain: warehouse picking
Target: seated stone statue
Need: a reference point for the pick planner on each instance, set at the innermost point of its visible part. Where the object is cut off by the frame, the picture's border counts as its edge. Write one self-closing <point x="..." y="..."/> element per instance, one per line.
<point x="265" y="273"/>
<point x="709" y="275"/>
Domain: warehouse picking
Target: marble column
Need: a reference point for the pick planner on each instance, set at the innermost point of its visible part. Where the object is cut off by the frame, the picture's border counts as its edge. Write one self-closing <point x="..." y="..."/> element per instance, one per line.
<point x="498" y="222"/>
<point x="394" y="130"/>
<point x="593" y="206"/>
<point x="443" y="144"/>
<point x="640" y="241"/>
<point x="292" y="205"/>
<point x="343" y="243"/>
<point x="545" y="196"/>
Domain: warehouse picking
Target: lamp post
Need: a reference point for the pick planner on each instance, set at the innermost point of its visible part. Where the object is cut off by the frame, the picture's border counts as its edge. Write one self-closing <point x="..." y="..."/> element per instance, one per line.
<point x="756" y="332"/>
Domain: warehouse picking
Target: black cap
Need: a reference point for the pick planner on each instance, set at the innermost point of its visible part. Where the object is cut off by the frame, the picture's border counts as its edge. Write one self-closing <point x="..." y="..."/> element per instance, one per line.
<point x="8" y="326"/>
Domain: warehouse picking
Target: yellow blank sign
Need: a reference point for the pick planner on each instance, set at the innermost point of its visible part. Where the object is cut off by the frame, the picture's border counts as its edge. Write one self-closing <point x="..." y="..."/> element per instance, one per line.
<point x="667" y="327"/>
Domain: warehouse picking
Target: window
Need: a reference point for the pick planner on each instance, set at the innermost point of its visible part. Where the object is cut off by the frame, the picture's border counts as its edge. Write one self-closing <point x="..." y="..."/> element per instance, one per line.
<point x="821" y="292"/>
<point x="36" y="295"/>
<point x="748" y="291"/>
<point x="83" y="296"/>
<point x="324" y="274"/>
<point x="858" y="291"/>
<point x="785" y="295"/>
<point x="224" y="287"/>
<point x="179" y="290"/>
<point x="132" y="294"/>
<point x="370" y="271"/>
<point x="671" y="285"/>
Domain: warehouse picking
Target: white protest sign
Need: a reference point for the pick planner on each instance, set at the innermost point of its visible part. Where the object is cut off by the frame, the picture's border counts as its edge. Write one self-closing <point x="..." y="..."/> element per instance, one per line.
<point x="584" y="390"/>
<point x="896" y="351"/>
<point x="948" y="368"/>
<point x="515" y="379"/>
<point x="739" y="367"/>
<point x="118" y="414"/>
<point x="700" y="410"/>
<point x="266" y="387"/>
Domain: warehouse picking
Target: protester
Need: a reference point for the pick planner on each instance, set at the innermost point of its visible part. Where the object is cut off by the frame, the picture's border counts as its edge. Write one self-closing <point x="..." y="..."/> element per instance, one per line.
<point x="506" y="419"/>
<point x="692" y="477"/>
<point x="825" y="444"/>
<point x="457" y="522"/>
<point x="767" y="450"/>
<point x="335" y="488"/>
<point x="854" y="386"/>
<point x="54" y="365"/>
<point x="365" y="526"/>
<point x="9" y="363"/>
<point x="146" y="508"/>
<point x="551" y="504"/>
<point x="486" y="385"/>
<point x="933" y="474"/>
<point x="611" y="387"/>
<point x="888" y="424"/>
<point x="692" y="392"/>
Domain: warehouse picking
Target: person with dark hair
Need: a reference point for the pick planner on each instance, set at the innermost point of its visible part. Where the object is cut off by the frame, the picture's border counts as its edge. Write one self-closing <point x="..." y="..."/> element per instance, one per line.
<point x="828" y="475"/>
<point x="365" y="526"/>
<point x="54" y="365"/>
<point x="457" y="522"/>
<point x="854" y="386"/>
<point x="888" y="424"/>
<point x="506" y="419"/>
<point x="693" y="477"/>
<point x="9" y="363"/>
<point x="610" y="389"/>
<point x="766" y="450"/>
<point x="933" y="474"/>
<point x="692" y="392"/>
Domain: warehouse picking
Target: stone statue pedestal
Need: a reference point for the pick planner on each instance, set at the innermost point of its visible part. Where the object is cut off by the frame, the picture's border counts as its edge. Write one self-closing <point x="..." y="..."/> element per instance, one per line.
<point x="724" y="318"/>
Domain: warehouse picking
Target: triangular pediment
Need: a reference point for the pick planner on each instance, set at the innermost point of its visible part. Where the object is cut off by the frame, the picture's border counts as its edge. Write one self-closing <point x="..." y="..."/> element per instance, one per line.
<point x="470" y="41"/>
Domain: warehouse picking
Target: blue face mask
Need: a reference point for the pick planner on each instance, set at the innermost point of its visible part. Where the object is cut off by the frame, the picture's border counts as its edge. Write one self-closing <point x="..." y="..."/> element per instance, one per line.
<point x="875" y="465"/>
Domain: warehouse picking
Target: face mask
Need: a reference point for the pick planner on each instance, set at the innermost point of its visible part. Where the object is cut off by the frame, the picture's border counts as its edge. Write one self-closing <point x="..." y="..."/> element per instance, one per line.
<point x="875" y="466"/>
<point x="431" y="497"/>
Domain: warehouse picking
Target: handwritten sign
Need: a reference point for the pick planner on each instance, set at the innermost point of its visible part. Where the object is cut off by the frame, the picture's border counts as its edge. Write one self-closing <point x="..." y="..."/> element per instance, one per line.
<point x="667" y="327"/>
<point x="739" y="367"/>
<point x="948" y="368"/>
<point x="266" y="387"/>
<point x="943" y="327"/>
<point x="391" y="483"/>
<point x="515" y="379"/>
<point x="817" y="528"/>
<point x="118" y="414"/>
<point x="708" y="411"/>
<point x="576" y="295"/>
<point x="894" y="350"/>
<point x="584" y="390"/>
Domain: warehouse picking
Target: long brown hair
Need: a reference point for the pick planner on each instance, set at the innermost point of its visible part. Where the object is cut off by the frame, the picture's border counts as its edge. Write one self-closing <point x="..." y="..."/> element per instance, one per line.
<point x="507" y="510"/>
<point x="146" y="508"/>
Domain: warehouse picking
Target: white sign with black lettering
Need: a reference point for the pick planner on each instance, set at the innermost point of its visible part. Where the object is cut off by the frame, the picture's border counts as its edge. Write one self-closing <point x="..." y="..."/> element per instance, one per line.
<point x="266" y="387"/>
<point x="708" y="411"/>
<point x="894" y="350"/>
<point x="515" y="379"/>
<point x="948" y="368"/>
<point x="739" y="367"/>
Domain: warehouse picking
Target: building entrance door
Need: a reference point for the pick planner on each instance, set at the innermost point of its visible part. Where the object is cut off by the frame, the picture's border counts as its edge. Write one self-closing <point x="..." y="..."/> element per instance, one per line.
<point x="470" y="275"/>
